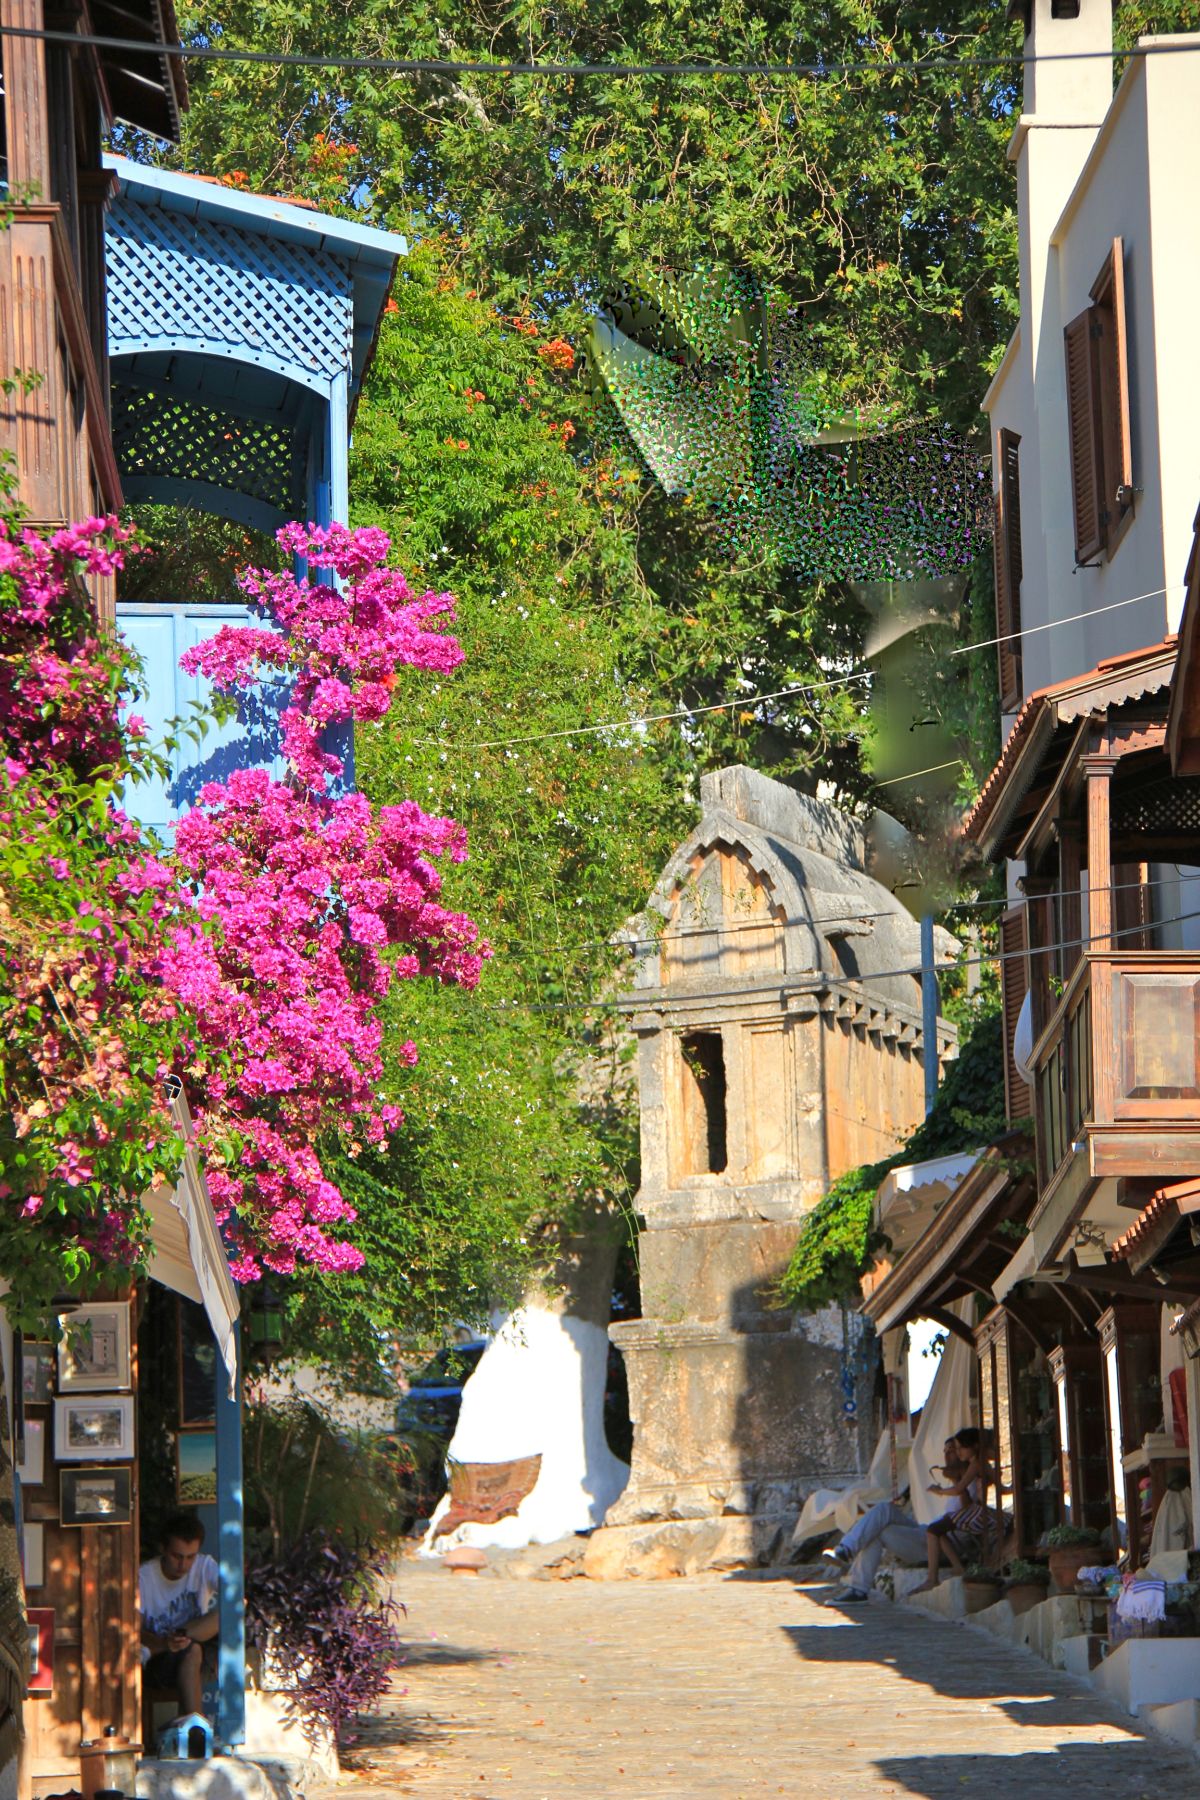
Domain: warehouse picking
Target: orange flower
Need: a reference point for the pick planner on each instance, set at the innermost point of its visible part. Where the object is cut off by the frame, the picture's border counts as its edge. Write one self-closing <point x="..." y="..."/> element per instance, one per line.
<point x="558" y="354"/>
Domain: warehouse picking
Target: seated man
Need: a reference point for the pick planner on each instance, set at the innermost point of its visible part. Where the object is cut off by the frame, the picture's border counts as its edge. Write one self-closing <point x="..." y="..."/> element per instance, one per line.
<point x="177" y="1596"/>
<point x="884" y="1527"/>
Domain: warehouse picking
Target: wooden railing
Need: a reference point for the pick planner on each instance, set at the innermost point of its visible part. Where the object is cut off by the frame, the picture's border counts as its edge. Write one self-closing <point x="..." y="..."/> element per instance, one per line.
<point x="1118" y="1066"/>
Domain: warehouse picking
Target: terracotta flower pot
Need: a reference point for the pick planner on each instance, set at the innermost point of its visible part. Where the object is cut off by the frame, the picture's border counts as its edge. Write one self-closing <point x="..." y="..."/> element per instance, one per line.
<point x="979" y="1594"/>
<point x="1025" y="1594"/>
<point x="1066" y="1564"/>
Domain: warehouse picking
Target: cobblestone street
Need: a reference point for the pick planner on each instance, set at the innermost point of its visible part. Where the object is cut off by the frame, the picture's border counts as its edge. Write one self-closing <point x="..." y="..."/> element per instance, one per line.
<point x="734" y="1689"/>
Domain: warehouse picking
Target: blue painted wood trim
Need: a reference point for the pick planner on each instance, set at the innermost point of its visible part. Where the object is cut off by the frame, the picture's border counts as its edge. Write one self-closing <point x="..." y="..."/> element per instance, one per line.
<point x="231" y="1659"/>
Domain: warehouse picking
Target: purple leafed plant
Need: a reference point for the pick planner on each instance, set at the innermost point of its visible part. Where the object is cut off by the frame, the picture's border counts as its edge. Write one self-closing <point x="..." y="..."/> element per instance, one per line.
<point x="315" y="1611"/>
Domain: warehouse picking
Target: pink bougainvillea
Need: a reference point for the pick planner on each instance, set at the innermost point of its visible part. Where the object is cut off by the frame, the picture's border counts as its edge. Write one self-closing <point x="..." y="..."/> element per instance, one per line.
<point x="258" y="950"/>
<point x="341" y="643"/>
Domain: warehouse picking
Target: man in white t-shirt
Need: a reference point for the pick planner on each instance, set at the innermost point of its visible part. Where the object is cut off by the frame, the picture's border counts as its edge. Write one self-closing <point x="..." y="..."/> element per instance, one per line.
<point x="177" y="1596"/>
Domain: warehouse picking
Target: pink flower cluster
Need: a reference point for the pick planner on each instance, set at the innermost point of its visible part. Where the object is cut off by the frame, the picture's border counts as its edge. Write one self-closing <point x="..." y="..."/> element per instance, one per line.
<point x="343" y="641"/>
<point x="302" y="900"/>
<point x="257" y="955"/>
<point x="298" y="899"/>
<point x="60" y="685"/>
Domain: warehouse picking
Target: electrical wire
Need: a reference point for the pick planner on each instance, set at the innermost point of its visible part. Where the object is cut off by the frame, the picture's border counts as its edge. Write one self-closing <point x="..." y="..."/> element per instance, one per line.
<point x="812" y="687"/>
<point x="683" y="712"/>
<point x="622" y="942"/>
<point x="1074" y="619"/>
<point x="821" y="69"/>
<point x="862" y="982"/>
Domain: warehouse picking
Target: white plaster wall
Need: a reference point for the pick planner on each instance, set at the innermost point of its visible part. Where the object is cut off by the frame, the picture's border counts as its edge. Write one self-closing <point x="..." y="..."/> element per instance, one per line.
<point x="539" y="1388"/>
<point x="1085" y="177"/>
<point x="1114" y="199"/>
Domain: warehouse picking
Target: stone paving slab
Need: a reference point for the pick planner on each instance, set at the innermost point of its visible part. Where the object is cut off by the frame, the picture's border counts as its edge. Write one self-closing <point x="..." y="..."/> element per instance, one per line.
<point x="728" y="1689"/>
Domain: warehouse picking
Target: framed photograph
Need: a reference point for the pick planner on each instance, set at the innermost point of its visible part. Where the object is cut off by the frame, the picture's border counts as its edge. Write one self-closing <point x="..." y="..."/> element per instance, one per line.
<point x="95" y="1428"/>
<point x="197" y="1366"/>
<point x="95" y="1496"/>
<point x="31" y="1466"/>
<point x="93" y="1352"/>
<point x="41" y="1649"/>
<point x="37" y="1373"/>
<point x="196" y="1482"/>
<point x="33" y="1555"/>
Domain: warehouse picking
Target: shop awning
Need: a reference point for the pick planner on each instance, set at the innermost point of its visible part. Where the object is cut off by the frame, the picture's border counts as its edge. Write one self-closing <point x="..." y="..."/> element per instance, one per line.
<point x="188" y="1254"/>
<point x="911" y="1194"/>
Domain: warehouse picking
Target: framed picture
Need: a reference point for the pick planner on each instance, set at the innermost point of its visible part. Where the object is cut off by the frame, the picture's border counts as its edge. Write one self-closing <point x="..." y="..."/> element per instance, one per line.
<point x="31" y="1466"/>
<point x="96" y="1496"/>
<point x="197" y="1366"/>
<point x="196" y="1454"/>
<point x="93" y="1352"/>
<point x="41" y="1649"/>
<point x="37" y="1373"/>
<point x="33" y="1555"/>
<point x="94" y="1428"/>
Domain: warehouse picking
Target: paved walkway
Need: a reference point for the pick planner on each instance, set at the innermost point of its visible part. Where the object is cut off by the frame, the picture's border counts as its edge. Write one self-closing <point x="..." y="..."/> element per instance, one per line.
<point x="731" y="1690"/>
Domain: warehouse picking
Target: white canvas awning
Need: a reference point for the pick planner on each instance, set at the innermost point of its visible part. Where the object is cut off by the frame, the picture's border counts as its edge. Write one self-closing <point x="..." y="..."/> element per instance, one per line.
<point x="188" y="1255"/>
<point x="909" y="1196"/>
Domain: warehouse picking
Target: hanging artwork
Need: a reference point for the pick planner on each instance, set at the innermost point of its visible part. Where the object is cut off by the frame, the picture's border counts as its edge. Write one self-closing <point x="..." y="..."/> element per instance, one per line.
<point x="33" y="1555"/>
<point x="196" y="1468"/>
<point x="37" y="1372"/>
<point x="31" y="1465"/>
<point x="93" y="1351"/>
<point x="197" y="1366"/>
<point x="99" y="1429"/>
<point x="96" y="1496"/>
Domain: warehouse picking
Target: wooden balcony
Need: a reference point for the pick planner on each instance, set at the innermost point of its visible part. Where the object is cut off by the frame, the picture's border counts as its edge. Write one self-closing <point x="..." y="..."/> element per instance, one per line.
<point x="1117" y="1072"/>
<point x="54" y="421"/>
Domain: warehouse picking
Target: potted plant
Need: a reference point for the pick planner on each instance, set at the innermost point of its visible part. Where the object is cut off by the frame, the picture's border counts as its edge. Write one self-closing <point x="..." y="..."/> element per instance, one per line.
<point x="981" y="1586"/>
<point x="1025" y="1583"/>
<point x="1071" y="1548"/>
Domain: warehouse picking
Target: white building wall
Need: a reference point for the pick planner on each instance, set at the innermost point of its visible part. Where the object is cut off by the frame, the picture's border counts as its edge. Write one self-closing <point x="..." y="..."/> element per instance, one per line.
<point x="1087" y="172"/>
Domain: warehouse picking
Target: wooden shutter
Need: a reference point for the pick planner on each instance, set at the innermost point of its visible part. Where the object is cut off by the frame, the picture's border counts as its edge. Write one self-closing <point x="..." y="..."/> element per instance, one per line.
<point x="1009" y="570"/>
<point x="1083" y="426"/>
<point x="1014" y="984"/>
<point x="1108" y="333"/>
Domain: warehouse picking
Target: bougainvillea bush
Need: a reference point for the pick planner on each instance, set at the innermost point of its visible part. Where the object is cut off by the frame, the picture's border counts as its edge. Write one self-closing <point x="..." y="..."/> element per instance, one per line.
<point x="249" y="961"/>
<point x="87" y="1034"/>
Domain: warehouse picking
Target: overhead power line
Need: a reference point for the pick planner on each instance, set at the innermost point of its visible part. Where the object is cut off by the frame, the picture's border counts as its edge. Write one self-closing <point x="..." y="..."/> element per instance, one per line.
<point x="820" y="69"/>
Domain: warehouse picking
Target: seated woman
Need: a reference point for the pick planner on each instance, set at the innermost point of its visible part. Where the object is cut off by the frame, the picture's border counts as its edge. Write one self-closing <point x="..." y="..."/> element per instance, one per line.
<point x="970" y="1518"/>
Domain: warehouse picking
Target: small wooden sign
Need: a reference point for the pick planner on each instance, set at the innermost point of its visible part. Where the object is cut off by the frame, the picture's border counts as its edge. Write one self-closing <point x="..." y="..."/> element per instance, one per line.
<point x="481" y="1493"/>
<point x="41" y="1649"/>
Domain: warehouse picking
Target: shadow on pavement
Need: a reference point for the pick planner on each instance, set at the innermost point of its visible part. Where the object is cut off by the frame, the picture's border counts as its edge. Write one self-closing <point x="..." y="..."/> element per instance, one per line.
<point x="967" y="1666"/>
<point x="439" y="1655"/>
<point x="1102" y="1771"/>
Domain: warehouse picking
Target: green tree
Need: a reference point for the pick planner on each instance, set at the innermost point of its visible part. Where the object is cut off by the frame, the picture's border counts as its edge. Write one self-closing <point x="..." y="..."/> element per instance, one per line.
<point x="512" y="1112"/>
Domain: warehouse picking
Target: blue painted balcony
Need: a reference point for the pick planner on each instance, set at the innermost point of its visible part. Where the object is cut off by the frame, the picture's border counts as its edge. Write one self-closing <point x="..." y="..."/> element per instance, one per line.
<point x="240" y="329"/>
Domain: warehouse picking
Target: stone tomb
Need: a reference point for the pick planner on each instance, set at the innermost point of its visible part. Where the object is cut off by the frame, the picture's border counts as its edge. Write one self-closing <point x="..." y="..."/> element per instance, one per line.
<point x="778" y="1017"/>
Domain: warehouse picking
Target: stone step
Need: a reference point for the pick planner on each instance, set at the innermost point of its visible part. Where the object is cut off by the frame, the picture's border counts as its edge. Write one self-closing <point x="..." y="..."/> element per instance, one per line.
<point x="1150" y="1672"/>
<point x="1084" y="1653"/>
<point x="1178" y="1720"/>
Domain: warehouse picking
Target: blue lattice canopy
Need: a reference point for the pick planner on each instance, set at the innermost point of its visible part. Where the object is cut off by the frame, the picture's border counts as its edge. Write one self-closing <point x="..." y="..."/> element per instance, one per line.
<point x="240" y="328"/>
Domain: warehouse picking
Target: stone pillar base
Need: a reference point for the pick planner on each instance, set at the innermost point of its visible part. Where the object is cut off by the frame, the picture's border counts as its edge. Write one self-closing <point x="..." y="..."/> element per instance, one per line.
<point x="660" y="1549"/>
